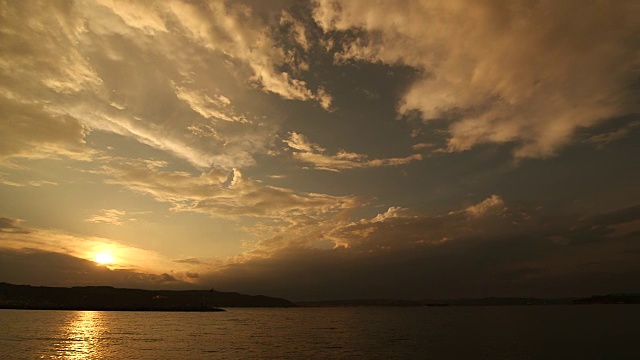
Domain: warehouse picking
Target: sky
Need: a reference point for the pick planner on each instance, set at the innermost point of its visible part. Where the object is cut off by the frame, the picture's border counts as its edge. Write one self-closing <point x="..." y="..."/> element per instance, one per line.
<point x="330" y="149"/>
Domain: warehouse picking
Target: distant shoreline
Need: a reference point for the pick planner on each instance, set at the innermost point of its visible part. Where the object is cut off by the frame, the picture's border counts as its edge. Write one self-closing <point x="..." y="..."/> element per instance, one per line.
<point x="106" y="298"/>
<point x="611" y="299"/>
<point x="111" y="309"/>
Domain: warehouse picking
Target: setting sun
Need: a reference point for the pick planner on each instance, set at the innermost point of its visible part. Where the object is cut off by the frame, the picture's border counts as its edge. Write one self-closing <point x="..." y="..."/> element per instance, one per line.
<point x="104" y="259"/>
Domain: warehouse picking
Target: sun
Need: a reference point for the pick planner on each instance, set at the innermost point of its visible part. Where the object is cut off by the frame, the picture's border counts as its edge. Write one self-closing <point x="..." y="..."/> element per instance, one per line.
<point x="104" y="258"/>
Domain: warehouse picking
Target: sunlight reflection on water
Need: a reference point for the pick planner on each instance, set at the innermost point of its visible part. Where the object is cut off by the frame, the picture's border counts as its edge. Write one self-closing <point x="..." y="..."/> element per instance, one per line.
<point x="84" y="337"/>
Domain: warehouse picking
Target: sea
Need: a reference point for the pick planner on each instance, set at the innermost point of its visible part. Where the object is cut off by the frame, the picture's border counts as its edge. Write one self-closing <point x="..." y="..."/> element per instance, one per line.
<point x="476" y="332"/>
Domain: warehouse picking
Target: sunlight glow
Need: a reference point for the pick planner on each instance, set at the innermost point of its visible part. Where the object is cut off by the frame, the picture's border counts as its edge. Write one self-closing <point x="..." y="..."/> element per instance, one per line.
<point x="104" y="258"/>
<point x="84" y="336"/>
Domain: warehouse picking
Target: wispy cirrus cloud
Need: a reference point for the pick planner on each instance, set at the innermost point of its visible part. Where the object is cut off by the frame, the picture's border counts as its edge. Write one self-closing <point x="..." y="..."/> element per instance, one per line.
<point x="308" y="152"/>
<point x="216" y="107"/>
<point x="115" y="217"/>
<point x="107" y="216"/>
<point x="602" y="140"/>
<point x="194" y="261"/>
<point x="221" y="193"/>
<point x="33" y="183"/>
<point x="33" y="75"/>
<point x="41" y="134"/>
<point x="141" y="70"/>
<point x="232" y="30"/>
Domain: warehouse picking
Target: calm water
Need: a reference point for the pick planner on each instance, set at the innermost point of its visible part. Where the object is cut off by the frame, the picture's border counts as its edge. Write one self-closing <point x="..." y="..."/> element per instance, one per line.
<point x="549" y="332"/>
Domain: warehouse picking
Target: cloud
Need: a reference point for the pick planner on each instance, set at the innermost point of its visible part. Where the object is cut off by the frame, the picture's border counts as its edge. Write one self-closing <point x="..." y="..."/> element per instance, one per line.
<point x="166" y="278"/>
<point x="488" y="204"/>
<point x="10" y="183"/>
<point x="222" y="194"/>
<point x="457" y="254"/>
<point x="230" y="29"/>
<point x="395" y="254"/>
<point x="163" y="74"/>
<point x="503" y="72"/>
<point x="392" y="212"/>
<point x="201" y="144"/>
<point x="397" y="229"/>
<point x="192" y="275"/>
<point x="49" y="268"/>
<point x="33" y="183"/>
<point x="8" y="225"/>
<point x="108" y="216"/>
<point x="324" y="98"/>
<point x="41" y="134"/>
<point x="137" y="15"/>
<point x="34" y="74"/>
<point x="616" y="217"/>
<point x="208" y="107"/>
<point x="602" y="140"/>
<point x="298" y="31"/>
<point x="16" y="237"/>
<point x="308" y="152"/>
<point x="62" y="68"/>
<point x="300" y="142"/>
<point x="235" y="32"/>
<point x="38" y="183"/>
<point x="420" y="146"/>
<point x="193" y="261"/>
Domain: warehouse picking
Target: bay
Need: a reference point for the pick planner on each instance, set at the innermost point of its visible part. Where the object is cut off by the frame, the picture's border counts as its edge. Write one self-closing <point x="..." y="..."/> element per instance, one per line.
<point x="500" y="332"/>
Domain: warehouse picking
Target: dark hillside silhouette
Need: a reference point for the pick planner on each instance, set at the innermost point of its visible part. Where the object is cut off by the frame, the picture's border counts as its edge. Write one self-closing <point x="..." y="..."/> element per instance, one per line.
<point x="109" y="298"/>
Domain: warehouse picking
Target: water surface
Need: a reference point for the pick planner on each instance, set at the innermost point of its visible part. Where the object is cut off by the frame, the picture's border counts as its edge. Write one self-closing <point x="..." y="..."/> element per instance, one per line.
<point x="519" y="332"/>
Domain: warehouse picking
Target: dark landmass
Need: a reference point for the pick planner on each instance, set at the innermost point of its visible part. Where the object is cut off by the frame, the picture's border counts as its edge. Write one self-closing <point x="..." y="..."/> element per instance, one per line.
<point x="360" y="302"/>
<point x="609" y="299"/>
<point x="491" y="301"/>
<point x="106" y="298"/>
<point x="508" y="301"/>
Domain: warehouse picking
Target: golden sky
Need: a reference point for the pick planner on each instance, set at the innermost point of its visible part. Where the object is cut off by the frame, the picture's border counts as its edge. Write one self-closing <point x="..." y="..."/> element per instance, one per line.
<point x="321" y="149"/>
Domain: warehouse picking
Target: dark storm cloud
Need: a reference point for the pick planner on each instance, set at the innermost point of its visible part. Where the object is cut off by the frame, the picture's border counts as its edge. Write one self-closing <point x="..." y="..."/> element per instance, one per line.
<point x="504" y="252"/>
